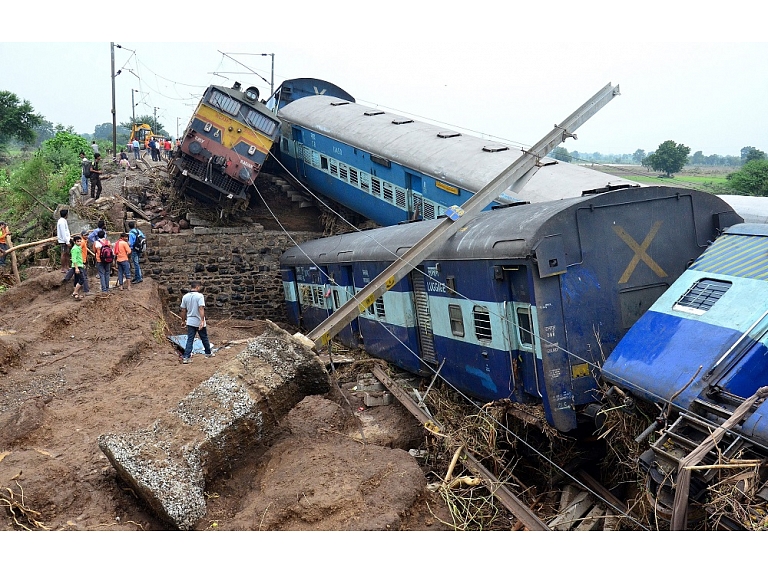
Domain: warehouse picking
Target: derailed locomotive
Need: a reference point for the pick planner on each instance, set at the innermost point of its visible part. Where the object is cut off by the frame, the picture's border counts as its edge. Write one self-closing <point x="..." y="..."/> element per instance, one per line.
<point x="520" y="303"/>
<point x="224" y="147"/>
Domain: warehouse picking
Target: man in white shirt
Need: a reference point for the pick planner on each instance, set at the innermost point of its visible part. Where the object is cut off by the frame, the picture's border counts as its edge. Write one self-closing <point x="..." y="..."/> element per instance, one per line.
<point x="193" y="315"/>
<point x="62" y="235"/>
<point x="136" y="147"/>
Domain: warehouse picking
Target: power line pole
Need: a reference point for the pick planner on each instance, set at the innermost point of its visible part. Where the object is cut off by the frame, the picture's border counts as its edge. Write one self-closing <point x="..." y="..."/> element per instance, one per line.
<point x="154" y="128"/>
<point x="114" y="111"/>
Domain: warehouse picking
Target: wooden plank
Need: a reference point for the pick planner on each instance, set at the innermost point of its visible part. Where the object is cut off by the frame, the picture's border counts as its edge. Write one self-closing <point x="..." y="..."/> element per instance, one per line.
<point x="591" y="521"/>
<point x="573" y="514"/>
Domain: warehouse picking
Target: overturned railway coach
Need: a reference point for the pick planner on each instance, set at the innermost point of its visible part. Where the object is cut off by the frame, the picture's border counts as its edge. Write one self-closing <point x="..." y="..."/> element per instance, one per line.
<point x="702" y="350"/>
<point x="521" y="302"/>
<point x="224" y="146"/>
<point x="391" y="169"/>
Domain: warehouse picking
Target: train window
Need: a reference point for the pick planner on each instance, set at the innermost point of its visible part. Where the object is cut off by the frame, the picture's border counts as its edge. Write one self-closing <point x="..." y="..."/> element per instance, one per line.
<point x="261" y="122"/>
<point x="334" y="168"/>
<point x="379" y="305"/>
<point x="376" y="187"/>
<point x="524" y="329"/>
<point x="388" y="193"/>
<point x="224" y="103"/>
<point x="702" y="296"/>
<point x="482" y="323"/>
<point x="400" y="196"/>
<point x="324" y="163"/>
<point x="450" y="284"/>
<point x="457" y="320"/>
<point x="343" y="174"/>
<point x="353" y="176"/>
<point x="365" y="182"/>
<point x="429" y="210"/>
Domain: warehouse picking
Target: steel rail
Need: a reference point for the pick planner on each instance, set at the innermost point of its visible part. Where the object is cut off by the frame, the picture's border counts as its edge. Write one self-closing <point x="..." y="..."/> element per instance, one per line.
<point x="515" y="506"/>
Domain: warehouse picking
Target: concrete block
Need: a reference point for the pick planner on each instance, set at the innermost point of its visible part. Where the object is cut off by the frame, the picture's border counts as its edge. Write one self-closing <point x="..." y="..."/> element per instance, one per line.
<point x="169" y="464"/>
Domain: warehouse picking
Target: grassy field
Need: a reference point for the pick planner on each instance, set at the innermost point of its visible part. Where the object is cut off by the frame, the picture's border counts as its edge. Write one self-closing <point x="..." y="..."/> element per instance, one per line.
<point x="704" y="178"/>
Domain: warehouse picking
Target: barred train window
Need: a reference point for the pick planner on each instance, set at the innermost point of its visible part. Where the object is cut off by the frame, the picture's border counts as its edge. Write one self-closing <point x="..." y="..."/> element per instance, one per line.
<point x="701" y="296"/>
<point x="224" y="102"/>
<point x="380" y="308"/>
<point x="482" y="322"/>
<point x="457" y="320"/>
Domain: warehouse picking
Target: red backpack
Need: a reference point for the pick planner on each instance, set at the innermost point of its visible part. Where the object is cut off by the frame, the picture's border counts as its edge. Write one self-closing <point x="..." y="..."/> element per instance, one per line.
<point x="106" y="254"/>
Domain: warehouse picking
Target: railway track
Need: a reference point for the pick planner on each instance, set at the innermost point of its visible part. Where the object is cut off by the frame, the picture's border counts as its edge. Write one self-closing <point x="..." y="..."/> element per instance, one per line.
<point x="587" y="506"/>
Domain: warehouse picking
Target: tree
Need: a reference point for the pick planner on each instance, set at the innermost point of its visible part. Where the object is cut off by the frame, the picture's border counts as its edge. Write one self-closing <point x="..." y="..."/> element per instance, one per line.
<point x="669" y="158"/>
<point x="560" y="154"/>
<point x="698" y="158"/>
<point x="639" y="156"/>
<point x="751" y="179"/>
<point x="43" y="131"/>
<point x="750" y="153"/>
<point x="103" y="131"/>
<point x="17" y="119"/>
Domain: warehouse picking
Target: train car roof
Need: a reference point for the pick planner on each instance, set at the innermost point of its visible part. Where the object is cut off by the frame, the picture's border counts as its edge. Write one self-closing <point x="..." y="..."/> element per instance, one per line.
<point x="444" y="154"/>
<point x="754" y="209"/>
<point x="508" y="233"/>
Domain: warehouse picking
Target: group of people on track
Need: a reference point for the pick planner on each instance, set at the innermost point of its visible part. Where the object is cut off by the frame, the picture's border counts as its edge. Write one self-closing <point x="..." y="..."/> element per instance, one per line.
<point x="120" y="256"/>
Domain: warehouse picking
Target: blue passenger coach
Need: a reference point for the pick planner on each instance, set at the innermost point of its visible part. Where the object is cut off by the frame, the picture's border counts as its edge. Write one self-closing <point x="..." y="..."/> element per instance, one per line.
<point x="703" y="346"/>
<point x="392" y="169"/>
<point x="520" y="301"/>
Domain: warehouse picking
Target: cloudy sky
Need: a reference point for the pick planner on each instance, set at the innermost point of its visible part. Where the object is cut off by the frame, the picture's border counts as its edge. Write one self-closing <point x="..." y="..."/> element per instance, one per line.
<point x="507" y="73"/>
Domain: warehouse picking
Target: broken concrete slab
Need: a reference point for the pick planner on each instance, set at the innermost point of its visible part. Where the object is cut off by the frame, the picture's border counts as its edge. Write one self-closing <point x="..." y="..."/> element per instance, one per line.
<point x="169" y="464"/>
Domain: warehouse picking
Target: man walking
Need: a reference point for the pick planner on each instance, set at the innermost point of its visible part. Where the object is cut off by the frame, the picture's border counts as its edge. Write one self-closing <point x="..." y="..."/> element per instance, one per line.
<point x="96" y="176"/>
<point x="62" y="236"/>
<point x="193" y="315"/>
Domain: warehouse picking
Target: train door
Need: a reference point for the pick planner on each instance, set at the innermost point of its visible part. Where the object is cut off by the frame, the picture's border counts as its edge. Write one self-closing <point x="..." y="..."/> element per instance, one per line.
<point x="423" y="320"/>
<point x="298" y="150"/>
<point x="342" y="290"/>
<point x="291" y="294"/>
<point x="415" y="205"/>
<point x="522" y="332"/>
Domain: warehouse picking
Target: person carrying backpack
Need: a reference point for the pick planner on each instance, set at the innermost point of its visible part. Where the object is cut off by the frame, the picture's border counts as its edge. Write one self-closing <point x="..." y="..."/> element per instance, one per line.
<point x="105" y="257"/>
<point x="138" y="243"/>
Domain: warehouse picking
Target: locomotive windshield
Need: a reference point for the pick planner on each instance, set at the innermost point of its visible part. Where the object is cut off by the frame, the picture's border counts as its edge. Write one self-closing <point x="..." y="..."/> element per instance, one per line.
<point x="224" y="102"/>
<point x="261" y="122"/>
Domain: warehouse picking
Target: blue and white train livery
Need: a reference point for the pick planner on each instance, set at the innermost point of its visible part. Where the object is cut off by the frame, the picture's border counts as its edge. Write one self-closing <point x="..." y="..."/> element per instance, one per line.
<point x="392" y="169"/>
<point x="522" y="299"/>
<point x="703" y="346"/>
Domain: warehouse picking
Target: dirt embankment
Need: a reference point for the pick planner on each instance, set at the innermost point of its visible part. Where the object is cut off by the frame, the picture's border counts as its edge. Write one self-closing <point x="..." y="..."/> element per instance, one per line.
<point x="73" y="370"/>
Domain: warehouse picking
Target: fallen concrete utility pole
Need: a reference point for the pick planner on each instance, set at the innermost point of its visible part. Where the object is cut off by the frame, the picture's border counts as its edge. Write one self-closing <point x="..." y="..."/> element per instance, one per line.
<point x="169" y="464"/>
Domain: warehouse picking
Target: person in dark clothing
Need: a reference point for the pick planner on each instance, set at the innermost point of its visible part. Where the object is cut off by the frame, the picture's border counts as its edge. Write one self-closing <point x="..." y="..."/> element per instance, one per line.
<point x="96" y="176"/>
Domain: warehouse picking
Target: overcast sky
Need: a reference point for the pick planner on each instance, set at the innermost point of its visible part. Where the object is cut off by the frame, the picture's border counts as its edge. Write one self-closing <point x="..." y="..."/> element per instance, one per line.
<point x="454" y="70"/>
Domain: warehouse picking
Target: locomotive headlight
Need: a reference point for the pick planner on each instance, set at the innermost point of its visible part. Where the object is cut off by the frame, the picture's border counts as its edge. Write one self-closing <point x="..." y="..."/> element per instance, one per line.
<point x="251" y="150"/>
<point x="244" y="174"/>
<point x="252" y="93"/>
